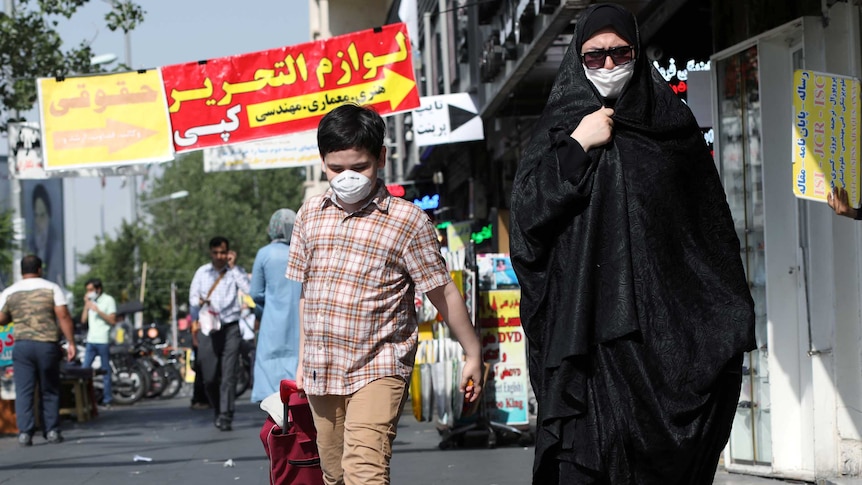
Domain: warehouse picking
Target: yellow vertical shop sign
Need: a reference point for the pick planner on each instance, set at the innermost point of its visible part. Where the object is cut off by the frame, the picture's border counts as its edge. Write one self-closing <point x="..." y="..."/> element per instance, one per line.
<point x="104" y="121"/>
<point x="504" y="347"/>
<point x="826" y="144"/>
<point x="458" y="235"/>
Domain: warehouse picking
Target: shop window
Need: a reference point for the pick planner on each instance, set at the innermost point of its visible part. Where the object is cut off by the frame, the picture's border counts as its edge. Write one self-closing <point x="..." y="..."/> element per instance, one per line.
<point x="526" y="24"/>
<point x="492" y="58"/>
<point x="487" y="10"/>
<point x="548" y="6"/>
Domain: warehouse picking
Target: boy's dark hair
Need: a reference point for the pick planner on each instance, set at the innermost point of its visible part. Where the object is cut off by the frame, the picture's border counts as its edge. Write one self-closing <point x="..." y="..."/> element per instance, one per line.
<point x="30" y="264"/>
<point x="218" y="241"/>
<point x="351" y="126"/>
<point x="96" y="282"/>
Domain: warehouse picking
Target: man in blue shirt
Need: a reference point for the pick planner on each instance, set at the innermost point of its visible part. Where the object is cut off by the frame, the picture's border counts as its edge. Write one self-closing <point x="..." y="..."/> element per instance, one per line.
<point x="213" y="297"/>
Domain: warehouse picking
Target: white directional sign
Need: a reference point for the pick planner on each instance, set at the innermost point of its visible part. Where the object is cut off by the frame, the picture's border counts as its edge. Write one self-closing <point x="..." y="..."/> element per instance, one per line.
<point x="448" y="118"/>
<point x="292" y="150"/>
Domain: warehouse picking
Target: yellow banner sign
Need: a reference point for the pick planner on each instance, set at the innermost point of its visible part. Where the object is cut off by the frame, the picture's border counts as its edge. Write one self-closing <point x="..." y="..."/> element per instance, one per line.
<point x="826" y="144"/>
<point x="104" y="121"/>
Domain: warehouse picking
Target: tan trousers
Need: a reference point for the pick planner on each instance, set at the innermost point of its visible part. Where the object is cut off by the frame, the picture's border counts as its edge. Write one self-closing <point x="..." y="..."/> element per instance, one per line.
<point x="355" y="432"/>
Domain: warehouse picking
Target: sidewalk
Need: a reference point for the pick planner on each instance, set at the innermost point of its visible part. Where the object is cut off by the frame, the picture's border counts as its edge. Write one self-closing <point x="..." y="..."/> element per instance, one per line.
<point x="184" y="447"/>
<point x="724" y="478"/>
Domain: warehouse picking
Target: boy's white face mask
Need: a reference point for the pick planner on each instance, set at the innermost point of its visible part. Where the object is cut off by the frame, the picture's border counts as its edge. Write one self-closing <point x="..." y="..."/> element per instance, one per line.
<point x="610" y="82"/>
<point x="351" y="187"/>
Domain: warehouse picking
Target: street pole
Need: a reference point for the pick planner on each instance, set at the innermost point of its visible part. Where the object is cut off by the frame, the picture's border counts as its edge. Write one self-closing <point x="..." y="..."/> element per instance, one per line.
<point x="17" y="221"/>
<point x="128" y="45"/>
<point x="139" y="316"/>
<point x="444" y="44"/>
<point x="127" y="40"/>
<point x="429" y="66"/>
<point x="174" y="338"/>
<point x="15" y="192"/>
<point x="400" y="155"/>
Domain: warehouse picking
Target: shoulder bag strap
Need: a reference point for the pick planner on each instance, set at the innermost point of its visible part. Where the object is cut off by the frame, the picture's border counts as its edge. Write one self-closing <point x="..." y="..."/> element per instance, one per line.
<point x="215" y="283"/>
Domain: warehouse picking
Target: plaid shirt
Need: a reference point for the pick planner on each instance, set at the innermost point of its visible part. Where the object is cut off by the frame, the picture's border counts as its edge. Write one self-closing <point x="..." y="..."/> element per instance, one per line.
<point x="359" y="273"/>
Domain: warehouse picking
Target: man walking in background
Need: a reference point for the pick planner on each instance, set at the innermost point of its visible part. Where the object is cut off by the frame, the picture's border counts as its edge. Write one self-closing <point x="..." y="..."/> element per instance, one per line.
<point x="99" y="314"/>
<point x="213" y="302"/>
<point x="38" y="308"/>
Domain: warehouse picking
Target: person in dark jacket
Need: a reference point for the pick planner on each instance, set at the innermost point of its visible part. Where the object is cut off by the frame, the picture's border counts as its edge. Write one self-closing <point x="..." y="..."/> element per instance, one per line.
<point x="634" y="298"/>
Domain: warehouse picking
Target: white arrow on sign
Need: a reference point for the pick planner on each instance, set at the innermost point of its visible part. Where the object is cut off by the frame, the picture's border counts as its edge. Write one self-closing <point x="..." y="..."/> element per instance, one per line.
<point x="448" y="118"/>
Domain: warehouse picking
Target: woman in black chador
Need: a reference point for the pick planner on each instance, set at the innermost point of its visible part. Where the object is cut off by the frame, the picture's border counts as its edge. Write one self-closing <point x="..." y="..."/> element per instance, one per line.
<point x="634" y="298"/>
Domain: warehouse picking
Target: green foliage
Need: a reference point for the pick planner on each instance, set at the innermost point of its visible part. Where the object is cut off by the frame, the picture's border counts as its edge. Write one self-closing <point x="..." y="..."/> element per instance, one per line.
<point x="6" y="244"/>
<point x="174" y="234"/>
<point x="124" y="16"/>
<point x="30" y="48"/>
<point x="111" y="260"/>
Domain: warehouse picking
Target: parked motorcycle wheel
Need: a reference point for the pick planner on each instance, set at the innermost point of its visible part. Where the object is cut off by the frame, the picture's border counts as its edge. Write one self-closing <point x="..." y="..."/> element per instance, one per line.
<point x="243" y="378"/>
<point x="158" y="381"/>
<point x="128" y="386"/>
<point x="173" y="382"/>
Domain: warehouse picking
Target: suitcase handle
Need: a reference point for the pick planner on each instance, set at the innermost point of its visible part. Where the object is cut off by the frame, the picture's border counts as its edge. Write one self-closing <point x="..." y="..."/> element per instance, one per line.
<point x="287" y="388"/>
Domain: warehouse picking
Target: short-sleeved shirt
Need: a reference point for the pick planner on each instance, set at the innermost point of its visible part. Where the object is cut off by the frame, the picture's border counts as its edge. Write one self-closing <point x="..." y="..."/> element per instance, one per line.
<point x="360" y="272"/>
<point x="30" y="304"/>
<point x="98" y="330"/>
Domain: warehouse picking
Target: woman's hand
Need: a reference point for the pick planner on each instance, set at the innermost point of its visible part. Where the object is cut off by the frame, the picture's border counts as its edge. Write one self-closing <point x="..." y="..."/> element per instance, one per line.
<point x="840" y="203"/>
<point x="596" y="129"/>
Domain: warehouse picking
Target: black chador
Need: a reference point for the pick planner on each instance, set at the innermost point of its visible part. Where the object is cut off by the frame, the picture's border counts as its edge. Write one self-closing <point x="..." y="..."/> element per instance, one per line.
<point x="634" y="298"/>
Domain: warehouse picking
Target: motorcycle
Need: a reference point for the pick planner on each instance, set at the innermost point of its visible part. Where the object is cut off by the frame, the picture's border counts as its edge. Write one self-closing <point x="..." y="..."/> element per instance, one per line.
<point x="129" y="382"/>
<point x="161" y="362"/>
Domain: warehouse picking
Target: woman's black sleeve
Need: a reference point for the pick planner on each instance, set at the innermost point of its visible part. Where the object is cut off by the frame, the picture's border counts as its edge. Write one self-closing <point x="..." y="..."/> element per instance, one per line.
<point x="572" y="158"/>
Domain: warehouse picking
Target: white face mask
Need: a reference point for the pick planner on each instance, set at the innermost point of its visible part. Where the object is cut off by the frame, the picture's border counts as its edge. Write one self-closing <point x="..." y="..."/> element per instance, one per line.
<point x="92" y="295"/>
<point x="351" y="187"/>
<point x="610" y="82"/>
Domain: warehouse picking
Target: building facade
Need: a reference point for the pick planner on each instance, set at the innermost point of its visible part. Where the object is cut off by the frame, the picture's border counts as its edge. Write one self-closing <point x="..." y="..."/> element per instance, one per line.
<point x="800" y="410"/>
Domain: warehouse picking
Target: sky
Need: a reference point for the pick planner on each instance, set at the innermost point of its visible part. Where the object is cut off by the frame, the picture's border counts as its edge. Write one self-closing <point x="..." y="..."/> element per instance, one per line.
<point x="190" y="30"/>
<point x="173" y="32"/>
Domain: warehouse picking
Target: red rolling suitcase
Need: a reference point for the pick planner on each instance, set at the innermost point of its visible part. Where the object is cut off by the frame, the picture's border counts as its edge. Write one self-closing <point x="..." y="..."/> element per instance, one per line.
<point x="292" y="451"/>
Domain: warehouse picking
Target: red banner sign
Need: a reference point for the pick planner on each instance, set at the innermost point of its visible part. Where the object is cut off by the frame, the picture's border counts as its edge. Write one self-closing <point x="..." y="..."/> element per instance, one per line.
<point x="286" y="90"/>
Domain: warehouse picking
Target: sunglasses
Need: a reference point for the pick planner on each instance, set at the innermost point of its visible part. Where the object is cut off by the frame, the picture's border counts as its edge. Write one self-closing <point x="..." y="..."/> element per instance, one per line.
<point x="620" y="55"/>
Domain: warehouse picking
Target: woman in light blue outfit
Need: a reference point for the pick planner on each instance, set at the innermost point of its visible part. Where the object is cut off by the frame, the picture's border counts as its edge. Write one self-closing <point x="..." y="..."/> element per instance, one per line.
<point x="278" y="298"/>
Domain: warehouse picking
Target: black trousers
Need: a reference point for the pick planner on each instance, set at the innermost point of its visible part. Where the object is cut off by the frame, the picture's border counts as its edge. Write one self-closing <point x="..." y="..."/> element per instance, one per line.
<point x="199" y="395"/>
<point x="218" y="354"/>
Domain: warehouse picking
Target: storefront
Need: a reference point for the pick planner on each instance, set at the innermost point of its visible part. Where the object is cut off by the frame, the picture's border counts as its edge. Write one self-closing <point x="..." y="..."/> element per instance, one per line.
<point x="800" y="410"/>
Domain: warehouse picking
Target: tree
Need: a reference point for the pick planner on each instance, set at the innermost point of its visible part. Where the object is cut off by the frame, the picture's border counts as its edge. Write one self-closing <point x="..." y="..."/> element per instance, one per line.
<point x="6" y="244"/>
<point x="174" y="235"/>
<point x="111" y="261"/>
<point x="30" y="48"/>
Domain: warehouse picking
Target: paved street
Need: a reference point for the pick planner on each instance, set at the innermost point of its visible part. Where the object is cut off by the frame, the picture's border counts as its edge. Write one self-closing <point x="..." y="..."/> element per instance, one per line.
<point x="185" y="448"/>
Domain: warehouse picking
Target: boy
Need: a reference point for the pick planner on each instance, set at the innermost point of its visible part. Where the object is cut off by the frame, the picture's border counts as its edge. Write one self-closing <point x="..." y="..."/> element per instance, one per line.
<point x="360" y="255"/>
